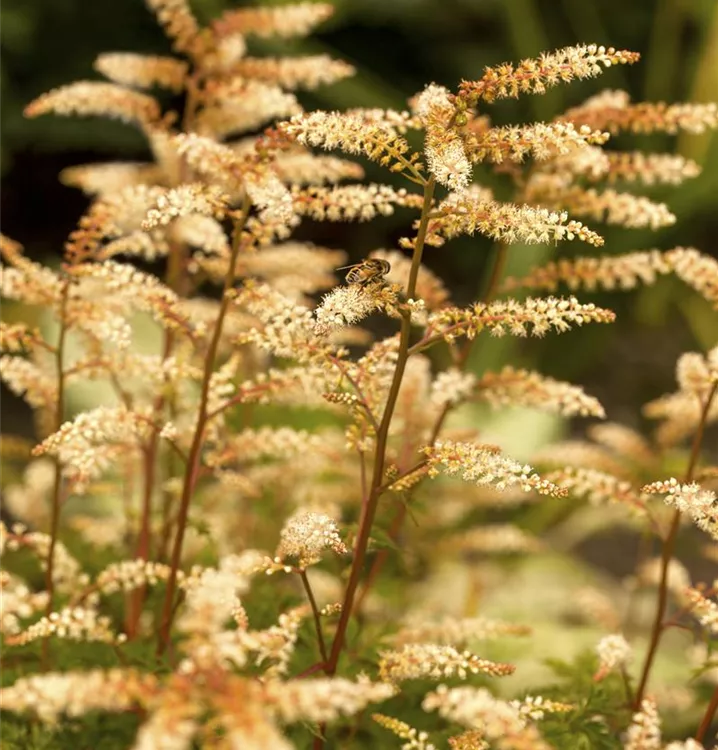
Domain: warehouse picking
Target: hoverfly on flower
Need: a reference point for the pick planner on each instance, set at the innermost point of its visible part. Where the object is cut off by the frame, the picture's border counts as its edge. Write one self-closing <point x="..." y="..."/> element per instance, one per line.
<point x="369" y="271"/>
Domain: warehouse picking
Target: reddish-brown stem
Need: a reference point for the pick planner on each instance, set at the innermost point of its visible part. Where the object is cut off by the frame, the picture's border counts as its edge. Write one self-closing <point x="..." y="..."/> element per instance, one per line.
<point x="381" y="557"/>
<point x="193" y="461"/>
<point x="667" y="555"/>
<point x="144" y="541"/>
<point x="363" y="476"/>
<point x="166" y="532"/>
<point x="397" y="522"/>
<point x="315" y="613"/>
<point x="57" y="485"/>
<point x="318" y="667"/>
<point x="318" y="743"/>
<point x="136" y="599"/>
<point x="369" y="509"/>
<point x="708" y="717"/>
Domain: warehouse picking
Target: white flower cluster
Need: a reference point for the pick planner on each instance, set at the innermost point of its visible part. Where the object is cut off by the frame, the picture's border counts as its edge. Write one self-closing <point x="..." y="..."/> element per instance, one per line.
<point x="477" y="708"/>
<point x="432" y="99"/>
<point x="193" y="198"/>
<point x="287" y="329"/>
<point x="211" y="600"/>
<point x="128" y="575"/>
<point x="70" y="623"/>
<point x="276" y="644"/>
<point x="324" y="699"/>
<point x="535" y="707"/>
<point x="417" y="661"/>
<point x="279" y="443"/>
<point x="696" y="373"/>
<point x="66" y="571"/>
<point x="689" y="744"/>
<point x="614" y="652"/>
<point x="343" y="306"/>
<point x="644" y="733"/>
<point x="269" y="194"/>
<point x="448" y="162"/>
<point x="306" y="535"/>
<point x="27" y="379"/>
<point x="598" y="487"/>
<point x="536" y="316"/>
<point x="51" y="694"/>
<point x="86" y="446"/>
<point x="453" y="631"/>
<point x="142" y="71"/>
<point x="451" y="387"/>
<point x="483" y="464"/>
<point x="30" y="499"/>
<point x="90" y="98"/>
<point x="415" y="740"/>
<point x="236" y="104"/>
<point x="704" y="609"/>
<point x="349" y="202"/>
<point x="18" y="603"/>
<point x="691" y="499"/>
<point x="514" y="387"/>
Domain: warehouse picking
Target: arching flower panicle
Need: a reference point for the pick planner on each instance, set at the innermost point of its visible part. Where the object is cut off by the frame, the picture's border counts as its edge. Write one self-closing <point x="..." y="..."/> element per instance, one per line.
<point x="92" y="98"/>
<point x="699" y="504"/>
<point x="485" y="465"/>
<point x="431" y="661"/>
<point x="535" y="76"/>
<point x="143" y="71"/>
<point x="294" y="19"/>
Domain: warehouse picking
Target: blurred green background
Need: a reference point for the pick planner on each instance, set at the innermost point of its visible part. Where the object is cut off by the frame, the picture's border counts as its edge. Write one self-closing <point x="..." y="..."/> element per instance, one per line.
<point x="397" y="47"/>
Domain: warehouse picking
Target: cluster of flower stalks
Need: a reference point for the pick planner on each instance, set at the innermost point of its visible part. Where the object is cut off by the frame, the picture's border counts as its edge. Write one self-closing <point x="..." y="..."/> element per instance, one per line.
<point x="246" y="523"/>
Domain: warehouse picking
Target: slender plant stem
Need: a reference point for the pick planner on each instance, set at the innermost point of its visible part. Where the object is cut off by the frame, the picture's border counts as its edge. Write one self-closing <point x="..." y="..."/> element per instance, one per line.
<point x="57" y="485"/>
<point x="313" y="669"/>
<point x="667" y="555"/>
<point x="193" y="461"/>
<point x="381" y="558"/>
<point x="136" y="598"/>
<point x="398" y="521"/>
<point x="315" y="612"/>
<point x="363" y="476"/>
<point x="318" y="743"/>
<point x="708" y="717"/>
<point x="375" y="491"/>
<point x="144" y="540"/>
